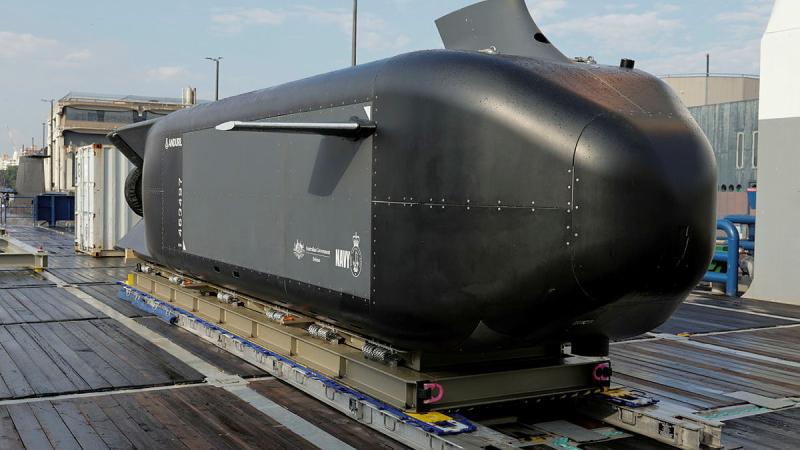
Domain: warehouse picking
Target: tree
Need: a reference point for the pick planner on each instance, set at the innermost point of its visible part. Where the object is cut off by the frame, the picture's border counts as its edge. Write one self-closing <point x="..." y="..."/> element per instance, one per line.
<point x="8" y="177"/>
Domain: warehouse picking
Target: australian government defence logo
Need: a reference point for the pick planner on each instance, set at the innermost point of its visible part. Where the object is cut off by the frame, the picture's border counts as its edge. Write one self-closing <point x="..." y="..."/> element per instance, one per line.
<point x="299" y="250"/>
<point x="350" y="259"/>
<point x="317" y="254"/>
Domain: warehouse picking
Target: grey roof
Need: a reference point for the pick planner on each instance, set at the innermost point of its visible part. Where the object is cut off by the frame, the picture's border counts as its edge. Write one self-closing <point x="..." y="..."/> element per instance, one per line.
<point x="712" y="75"/>
<point x="125" y="98"/>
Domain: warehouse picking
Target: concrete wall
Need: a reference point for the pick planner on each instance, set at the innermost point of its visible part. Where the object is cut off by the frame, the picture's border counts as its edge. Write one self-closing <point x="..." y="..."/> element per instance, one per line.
<point x="30" y="176"/>
<point x="777" y="255"/>
<point x="692" y="90"/>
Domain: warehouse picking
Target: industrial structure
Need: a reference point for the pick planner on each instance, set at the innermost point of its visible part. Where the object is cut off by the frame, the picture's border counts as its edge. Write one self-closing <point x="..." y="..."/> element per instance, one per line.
<point x="79" y="119"/>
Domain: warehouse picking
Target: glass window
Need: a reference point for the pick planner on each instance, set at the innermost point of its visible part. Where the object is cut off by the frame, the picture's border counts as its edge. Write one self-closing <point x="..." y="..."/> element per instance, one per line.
<point x="754" y="162"/>
<point x="119" y="116"/>
<point x="92" y="115"/>
<point x="156" y="114"/>
<point x="739" y="150"/>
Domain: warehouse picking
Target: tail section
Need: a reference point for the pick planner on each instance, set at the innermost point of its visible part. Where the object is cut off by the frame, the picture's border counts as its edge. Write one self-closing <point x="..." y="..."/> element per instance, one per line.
<point x="131" y="139"/>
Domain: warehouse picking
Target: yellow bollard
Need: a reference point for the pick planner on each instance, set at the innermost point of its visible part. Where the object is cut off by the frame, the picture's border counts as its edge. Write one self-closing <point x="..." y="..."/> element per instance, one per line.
<point x="131" y="279"/>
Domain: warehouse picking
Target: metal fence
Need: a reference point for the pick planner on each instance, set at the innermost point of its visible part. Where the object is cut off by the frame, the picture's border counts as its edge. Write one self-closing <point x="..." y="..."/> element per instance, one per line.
<point x="20" y="209"/>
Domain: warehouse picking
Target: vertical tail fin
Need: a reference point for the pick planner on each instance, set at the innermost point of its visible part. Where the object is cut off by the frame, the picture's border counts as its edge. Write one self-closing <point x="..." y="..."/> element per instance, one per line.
<point x="502" y="26"/>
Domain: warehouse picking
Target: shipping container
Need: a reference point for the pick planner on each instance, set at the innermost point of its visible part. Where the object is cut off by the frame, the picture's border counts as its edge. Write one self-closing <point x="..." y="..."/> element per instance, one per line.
<point x="102" y="215"/>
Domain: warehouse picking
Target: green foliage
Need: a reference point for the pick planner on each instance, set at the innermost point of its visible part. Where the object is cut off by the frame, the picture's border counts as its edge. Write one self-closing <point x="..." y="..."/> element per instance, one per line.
<point x="8" y="177"/>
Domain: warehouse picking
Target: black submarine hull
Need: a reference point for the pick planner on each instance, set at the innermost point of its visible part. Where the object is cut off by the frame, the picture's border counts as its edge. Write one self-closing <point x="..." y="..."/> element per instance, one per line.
<point x="501" y="202"/>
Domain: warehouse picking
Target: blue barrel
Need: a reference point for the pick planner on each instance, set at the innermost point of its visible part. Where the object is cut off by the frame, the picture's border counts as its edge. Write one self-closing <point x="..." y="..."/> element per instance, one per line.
<point x="751" y="198"/>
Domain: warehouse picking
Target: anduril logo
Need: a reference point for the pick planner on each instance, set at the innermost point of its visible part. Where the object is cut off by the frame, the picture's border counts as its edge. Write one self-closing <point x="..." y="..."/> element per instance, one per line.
<point x="172" y="143"/>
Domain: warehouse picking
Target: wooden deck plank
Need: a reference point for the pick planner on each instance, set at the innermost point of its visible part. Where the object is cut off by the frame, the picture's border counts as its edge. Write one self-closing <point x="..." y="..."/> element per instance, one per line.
<point x="73" y="306"/>
<point x="629" y="443"/>
<point x="53" y="426"/>
<point x="7" y="316"/>
<point x="107" y="293"/>
<point x="42" y="304"/>
<point x="183" y="430"/>
<point x="35" y="340"/>
<point x="9" y="438"/>
<point x="252" y="420"/>
<point x="22" y="278"/>
<point x="52" y="371"/>
<point x="41" y="299"/>
<point x="682" y="397"/>
<point x="200" y="417"/>
<point x="675" y="363"/>
<point x="693" y="318"/>
<point x="741" y="373"/>
<point x="92" y="359"/>
<point x="102" y="424"/>
<point x="15" y="309"/>
<point x="44" y="336"/>
<point x="746" y="304"/>
<point x="79" y="426"/>
<point x="156" y="430"/>
<point x="28" y="427"/>
<point x="661" y="375"/>
<point x="772" y="431"/>
<point x="38" y="381"/>
<point x="326" y="418"/>
<point x="780" y="343"/>
<point x="134" y="371"/>
<point x="15" y="381"/>
<point x="247" y="425"/>
<point x="124" y="423"/>
<point x="142" y="354"/>
<point x="39" y="305"/>
<point x="730" y="367"/>
<point x="211" y="432"/>
<point x="206" y="351"/>
<point x="82" y="261"/>
<point x="96" y="275"/>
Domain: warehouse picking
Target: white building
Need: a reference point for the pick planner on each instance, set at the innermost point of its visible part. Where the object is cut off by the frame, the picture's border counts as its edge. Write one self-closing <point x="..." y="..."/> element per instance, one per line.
<point x="81" y="119"/>
<point x="9" y="161"/>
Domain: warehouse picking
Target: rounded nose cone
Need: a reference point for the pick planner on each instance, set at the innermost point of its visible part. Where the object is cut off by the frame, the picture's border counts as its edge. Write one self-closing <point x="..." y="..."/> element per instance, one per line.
<point x="643" y="215"/>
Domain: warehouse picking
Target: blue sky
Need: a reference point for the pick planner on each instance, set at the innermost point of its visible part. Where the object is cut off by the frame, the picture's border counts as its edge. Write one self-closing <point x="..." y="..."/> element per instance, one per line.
<point x="155" y="48"/>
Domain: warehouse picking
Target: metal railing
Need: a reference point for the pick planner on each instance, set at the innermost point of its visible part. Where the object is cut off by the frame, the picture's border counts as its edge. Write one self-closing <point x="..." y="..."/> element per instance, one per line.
<point x="749" y="243"/>
<point x="730" y="256"/>
<point x="19" y="207"/>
